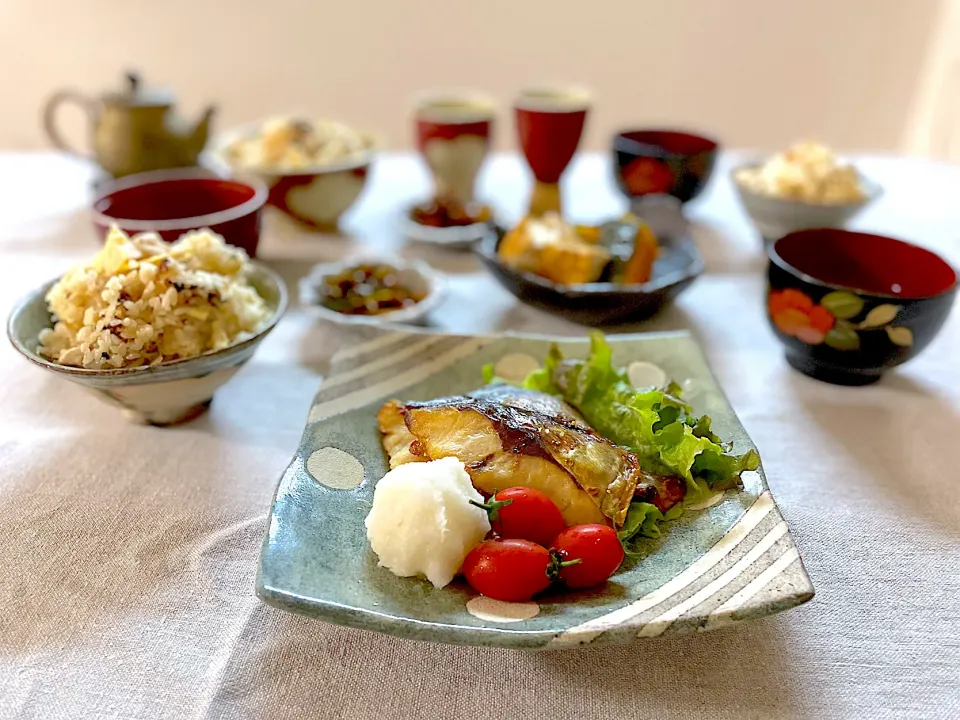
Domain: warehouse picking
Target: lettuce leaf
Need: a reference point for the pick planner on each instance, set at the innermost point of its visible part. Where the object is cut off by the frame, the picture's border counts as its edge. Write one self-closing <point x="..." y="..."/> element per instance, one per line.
<point x="722" y="470"/>
<point x="642" y="521"/>
<point x="656" y="425"/>
<point x="542" y="379"/>
<point x="489" y="377"/>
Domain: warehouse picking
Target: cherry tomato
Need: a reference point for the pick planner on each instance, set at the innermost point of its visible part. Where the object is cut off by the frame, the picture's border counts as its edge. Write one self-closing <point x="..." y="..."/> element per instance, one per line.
<point x="598" y="549"/>
<point x="525" y="513"/>
<point x="512" y="570"/>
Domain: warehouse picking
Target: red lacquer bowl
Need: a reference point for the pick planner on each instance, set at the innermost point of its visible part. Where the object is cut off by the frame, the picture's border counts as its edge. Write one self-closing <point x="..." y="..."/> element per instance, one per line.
<point x="848" y="306"/>
<point x="173" y="202"/>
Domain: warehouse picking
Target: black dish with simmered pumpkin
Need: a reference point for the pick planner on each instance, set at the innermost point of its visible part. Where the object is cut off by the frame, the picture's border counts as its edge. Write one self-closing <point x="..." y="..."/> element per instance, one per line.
<point x="608" y="280"/>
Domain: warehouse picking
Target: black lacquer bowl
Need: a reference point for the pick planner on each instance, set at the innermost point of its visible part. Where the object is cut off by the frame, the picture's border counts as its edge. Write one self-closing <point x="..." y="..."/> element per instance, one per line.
<point x="602" y="303"/>
<point x="663" y="162"/>
<point x="848" y="306"/>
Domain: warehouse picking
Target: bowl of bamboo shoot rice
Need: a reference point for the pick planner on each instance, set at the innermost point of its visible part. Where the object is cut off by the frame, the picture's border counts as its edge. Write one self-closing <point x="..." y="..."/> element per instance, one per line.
<point x="315" y="169"/>
<point x="149" y="326"/>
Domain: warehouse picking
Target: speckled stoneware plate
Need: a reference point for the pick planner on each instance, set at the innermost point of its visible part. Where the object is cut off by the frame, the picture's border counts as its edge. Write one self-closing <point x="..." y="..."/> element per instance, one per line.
<point x="732" y="561"/>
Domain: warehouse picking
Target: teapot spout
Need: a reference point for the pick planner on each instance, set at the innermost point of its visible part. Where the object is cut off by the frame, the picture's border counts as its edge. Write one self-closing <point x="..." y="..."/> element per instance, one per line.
<point x="201" y="131"/>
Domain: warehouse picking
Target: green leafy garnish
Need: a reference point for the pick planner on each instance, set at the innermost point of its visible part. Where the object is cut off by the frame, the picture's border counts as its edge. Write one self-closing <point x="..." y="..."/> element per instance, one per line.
<point x="656" y="425"/>
<point x="488" y="374"/>
<point x="642" y="521"/>
<point x="542" y="379"/>
<point x="722" y="470"/>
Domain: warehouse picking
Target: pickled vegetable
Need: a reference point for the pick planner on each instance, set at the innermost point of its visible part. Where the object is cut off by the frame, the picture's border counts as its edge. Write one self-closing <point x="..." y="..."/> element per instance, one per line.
<point x="367" y="290"/>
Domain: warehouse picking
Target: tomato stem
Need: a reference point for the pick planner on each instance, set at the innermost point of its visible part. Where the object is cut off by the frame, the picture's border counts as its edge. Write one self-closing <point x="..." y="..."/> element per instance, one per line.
<point x="492" y="507"/>
<point x="557" y="563"/>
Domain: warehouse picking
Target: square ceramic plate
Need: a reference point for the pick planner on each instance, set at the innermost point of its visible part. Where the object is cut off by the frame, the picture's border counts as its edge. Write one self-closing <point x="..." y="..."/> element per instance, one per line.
<point x="731" y="561"/>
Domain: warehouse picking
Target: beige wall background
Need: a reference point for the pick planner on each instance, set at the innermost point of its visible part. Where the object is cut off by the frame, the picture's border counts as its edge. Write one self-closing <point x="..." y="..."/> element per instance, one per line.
<point x="858" y="74"/>
<point x="934" y="124"/>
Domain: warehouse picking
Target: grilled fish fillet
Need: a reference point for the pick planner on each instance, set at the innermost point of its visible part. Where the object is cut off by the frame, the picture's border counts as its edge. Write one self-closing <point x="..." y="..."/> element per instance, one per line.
<point x="511" y="437"/>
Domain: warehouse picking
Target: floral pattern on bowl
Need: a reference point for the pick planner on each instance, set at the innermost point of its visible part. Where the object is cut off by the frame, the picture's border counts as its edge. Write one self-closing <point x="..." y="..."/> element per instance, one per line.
<point x="832" y="320"/>
<point x="654" y="161"/>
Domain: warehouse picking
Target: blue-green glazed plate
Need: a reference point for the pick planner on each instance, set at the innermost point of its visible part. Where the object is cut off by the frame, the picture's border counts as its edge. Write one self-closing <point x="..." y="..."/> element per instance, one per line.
<point x="716" y="566"/>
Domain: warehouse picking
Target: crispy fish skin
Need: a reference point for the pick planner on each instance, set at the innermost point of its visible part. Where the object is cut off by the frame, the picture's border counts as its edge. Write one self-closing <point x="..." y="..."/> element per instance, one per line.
<point x="507" y="436"/>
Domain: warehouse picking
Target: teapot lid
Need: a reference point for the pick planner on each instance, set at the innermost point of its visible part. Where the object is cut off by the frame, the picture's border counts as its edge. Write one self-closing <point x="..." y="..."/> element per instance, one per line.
<point x="134" y="96"/>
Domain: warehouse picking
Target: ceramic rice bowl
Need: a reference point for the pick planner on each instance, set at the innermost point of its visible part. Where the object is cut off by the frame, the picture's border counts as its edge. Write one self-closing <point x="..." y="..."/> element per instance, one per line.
<point x="164" y="394"/>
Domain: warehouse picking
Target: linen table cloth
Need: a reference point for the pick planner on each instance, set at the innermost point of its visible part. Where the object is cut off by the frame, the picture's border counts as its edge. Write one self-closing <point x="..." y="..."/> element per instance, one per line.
<point x="129" y="552"/>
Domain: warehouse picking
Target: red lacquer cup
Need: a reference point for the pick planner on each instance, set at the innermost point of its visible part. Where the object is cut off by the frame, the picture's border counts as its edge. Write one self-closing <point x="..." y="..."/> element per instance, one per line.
<point x="549" y="126"/>
<point x="453" y="135"/>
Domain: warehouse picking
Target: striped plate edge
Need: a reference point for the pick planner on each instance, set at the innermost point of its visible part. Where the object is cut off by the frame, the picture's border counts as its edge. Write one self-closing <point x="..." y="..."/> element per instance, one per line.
<point x="369" y="370"/>
<point x="753" y="570"/>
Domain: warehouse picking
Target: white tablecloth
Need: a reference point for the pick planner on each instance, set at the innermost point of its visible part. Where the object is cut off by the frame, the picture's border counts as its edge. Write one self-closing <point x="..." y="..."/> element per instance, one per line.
<point x="129" y="553"/>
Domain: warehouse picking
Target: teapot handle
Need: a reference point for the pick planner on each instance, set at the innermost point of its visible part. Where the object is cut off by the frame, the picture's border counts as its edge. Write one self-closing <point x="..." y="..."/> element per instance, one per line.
<point x="50" y="117"/>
